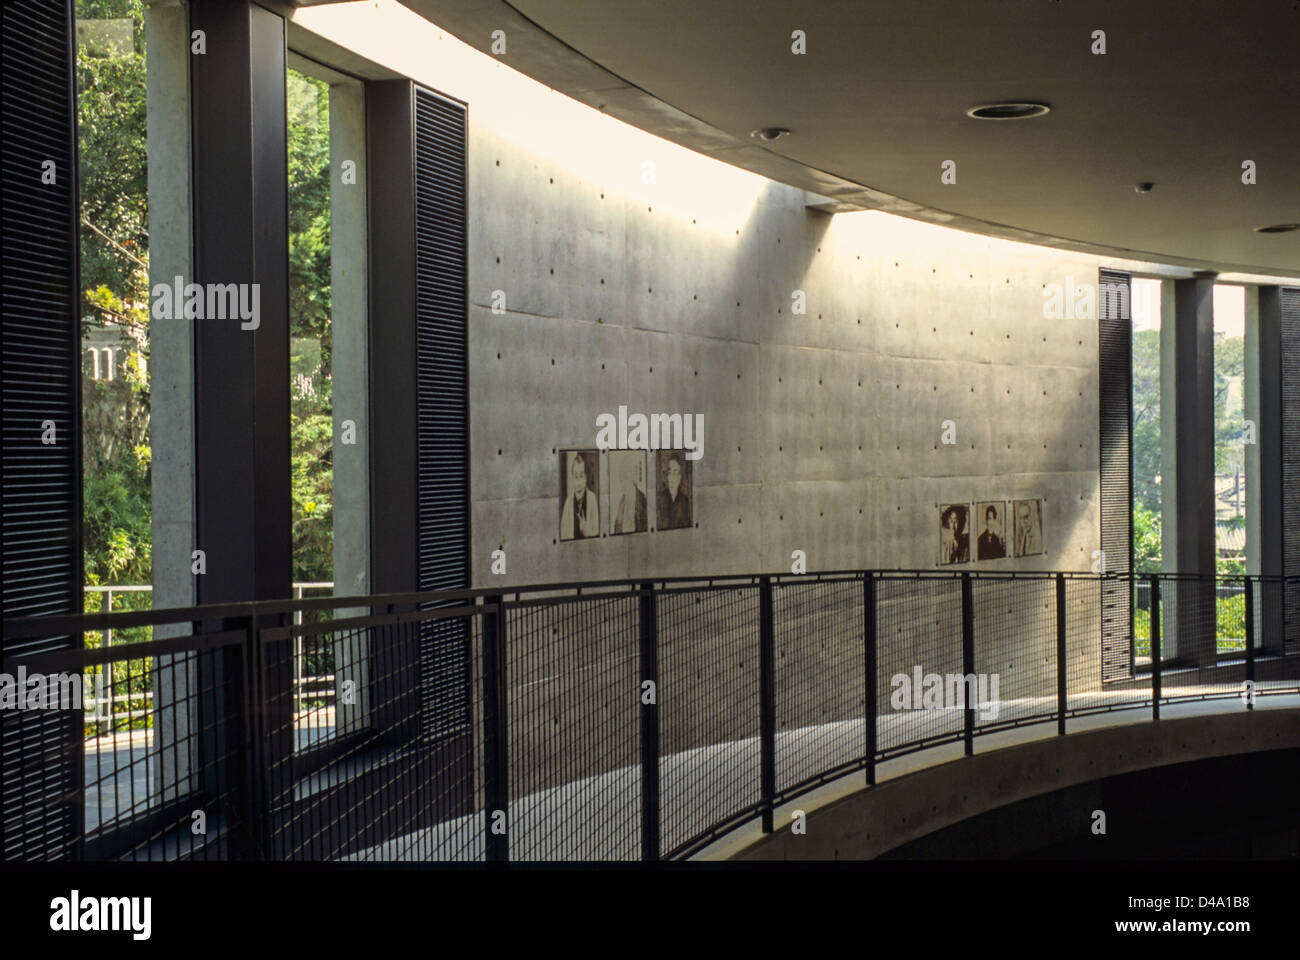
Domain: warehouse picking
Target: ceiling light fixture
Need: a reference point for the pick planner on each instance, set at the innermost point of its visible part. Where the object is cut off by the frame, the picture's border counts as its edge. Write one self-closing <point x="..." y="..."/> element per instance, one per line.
<point x="770" y="133"/>
<point x="1278" y="228"/>
<point x="1007" y="111"/>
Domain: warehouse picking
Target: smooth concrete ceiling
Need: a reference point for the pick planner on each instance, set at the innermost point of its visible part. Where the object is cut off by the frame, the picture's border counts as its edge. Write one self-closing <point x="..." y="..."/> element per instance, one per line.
<point x="1185" y="92"/>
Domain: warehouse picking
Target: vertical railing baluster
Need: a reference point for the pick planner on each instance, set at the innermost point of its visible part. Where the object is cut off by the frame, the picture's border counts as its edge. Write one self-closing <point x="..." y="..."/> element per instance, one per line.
<point x="649" y="725"/>
<point x="1061" y="665"/>
<point x="767" y="701"/>
<point x="495" y="761"/>
<point x="1155" y="646"/>
<point x="1250" y="642"/>
<point x="872" y="687"/>
<point x="968" y="656"/>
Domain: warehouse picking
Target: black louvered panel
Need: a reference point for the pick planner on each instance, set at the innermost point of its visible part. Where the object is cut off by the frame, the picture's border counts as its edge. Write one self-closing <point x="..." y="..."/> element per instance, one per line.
<point x="1115" y="423"/>
<point x="442" y="391"/>
<point x="41" y="751"/>
<point x="1290" y="392"/>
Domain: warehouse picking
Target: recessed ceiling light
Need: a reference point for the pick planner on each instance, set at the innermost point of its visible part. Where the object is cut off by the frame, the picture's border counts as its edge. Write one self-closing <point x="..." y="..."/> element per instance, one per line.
<point x="1007" y="111"/>
<point x="770" y="133"/>
<point x="1278" y="228"/>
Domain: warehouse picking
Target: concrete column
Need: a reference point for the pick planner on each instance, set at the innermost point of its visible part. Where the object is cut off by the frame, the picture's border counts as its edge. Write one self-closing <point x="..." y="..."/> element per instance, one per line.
<point x="171" y="382"/>
<point x="241" y="367"/>
<point x="350" y="330"/>
<point x="1191" y="370"/>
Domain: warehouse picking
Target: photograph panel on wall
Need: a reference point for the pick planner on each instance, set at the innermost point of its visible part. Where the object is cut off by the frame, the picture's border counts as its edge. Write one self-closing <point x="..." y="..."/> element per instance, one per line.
<point x="673" y="491"/>
<point x="579" y="494"/>
<point x="991" y="520"/>
<point x="954" y="533"/>
<point x="628" y="499"/>
<point x="1027" y="518"/>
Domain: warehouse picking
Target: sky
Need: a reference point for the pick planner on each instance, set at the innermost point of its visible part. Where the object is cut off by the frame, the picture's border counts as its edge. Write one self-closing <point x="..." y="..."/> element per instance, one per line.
<point x="1229" y="307"/>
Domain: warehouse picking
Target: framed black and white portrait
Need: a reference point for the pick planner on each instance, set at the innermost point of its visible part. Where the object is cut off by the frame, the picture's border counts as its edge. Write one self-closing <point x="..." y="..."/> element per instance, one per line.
<point x="991" y="522"/>
<point x="954" y="533"/>
<point x="579" y="494"/>
<point x="673" y="492"/>
<point x="1027" y="528"/>
<point x="629" y="501"/>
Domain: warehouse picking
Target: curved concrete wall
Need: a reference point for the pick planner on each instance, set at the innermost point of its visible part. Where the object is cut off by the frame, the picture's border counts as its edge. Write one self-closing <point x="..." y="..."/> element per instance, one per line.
<point x="873" y="821"/>
<point x="609" y="268"/>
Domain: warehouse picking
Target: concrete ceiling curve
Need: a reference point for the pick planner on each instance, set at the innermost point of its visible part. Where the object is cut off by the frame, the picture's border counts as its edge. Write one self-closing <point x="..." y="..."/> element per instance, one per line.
<point x="1185" y="93"/>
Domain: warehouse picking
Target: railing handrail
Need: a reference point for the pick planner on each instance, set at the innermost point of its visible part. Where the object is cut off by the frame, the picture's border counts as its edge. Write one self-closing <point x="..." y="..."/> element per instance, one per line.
<point x="59" y="624"/>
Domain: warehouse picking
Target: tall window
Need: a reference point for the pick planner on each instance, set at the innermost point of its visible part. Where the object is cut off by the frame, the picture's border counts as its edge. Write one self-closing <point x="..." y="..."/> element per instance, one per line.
<point x="311" y="346"/>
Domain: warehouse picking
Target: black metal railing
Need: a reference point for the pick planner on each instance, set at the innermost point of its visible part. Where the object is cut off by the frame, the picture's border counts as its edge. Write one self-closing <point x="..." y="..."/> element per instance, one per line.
<point x="602" y="721"/>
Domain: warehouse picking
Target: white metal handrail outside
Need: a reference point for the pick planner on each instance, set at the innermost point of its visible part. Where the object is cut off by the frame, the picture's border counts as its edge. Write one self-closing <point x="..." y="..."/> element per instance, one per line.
<point x="299" y="680"/>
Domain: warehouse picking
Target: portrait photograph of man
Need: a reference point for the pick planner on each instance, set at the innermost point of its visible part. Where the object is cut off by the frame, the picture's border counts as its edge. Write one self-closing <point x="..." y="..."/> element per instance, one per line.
<point x="579" y="494"/>
<point x="991" y="544"/>
<point x="673" y="500"/>
<point x="1028" y="519"/>
<point x="954" y="533"/>
<point x="629" y="505"/>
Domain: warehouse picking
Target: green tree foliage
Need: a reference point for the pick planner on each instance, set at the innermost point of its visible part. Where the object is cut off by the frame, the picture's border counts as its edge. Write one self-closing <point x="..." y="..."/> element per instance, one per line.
<point x="1146" y="420"/>
<point x="311" y="404"/>
<point x="1229" y="456"/>
<point x="1229" y="364"/>
<point x="115" y="279"/>
<point x="1146" y="540"/>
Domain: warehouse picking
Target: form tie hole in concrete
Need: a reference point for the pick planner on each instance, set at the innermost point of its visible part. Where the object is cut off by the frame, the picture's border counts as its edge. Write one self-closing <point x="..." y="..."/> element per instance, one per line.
<point x="552" y="179"/>
<point x="498" y="356"/>
<point x="602" y="366"/>
<point x="552" y="271"/>
<point x="498" y="451"/>
<point x="498" y="163"/>
<point x="652" y="369"/>
<point x="552" y="361"/>
<point x="498" y="259"/>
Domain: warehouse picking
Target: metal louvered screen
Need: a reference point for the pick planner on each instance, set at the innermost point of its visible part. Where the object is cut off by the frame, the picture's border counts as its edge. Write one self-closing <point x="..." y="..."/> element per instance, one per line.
<point x="442" y="402"/>
<point x="42" y="767"/>
<point x="1290" y="422"/>
<point x="1115" y="423"/>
